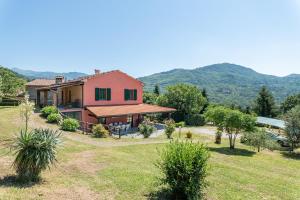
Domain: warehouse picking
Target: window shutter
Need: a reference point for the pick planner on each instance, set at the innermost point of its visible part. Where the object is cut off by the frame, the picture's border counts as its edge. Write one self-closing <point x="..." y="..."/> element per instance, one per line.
<point x="108" y="93"/>
<point x="102" y="94"/>
<point x="125" y="94"/>
<point x="135" y="94"/>
<point x="96" y="94"/>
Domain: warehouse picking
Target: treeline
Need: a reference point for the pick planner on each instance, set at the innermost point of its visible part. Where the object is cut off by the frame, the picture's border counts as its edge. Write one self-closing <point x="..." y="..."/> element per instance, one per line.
<point x="191" y="102"/>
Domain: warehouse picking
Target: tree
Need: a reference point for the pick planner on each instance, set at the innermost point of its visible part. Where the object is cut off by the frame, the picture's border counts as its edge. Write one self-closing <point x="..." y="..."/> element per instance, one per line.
<point x="204" y="94"/>
<point x="1" y="93"/>
<point x="264" y="103"/>
<point x="259" y="139"/>
<point x="12" y="83"/>
<point x="149" y="98"/>
<point x="216" y="115"/>
<point x="235" y="122"/>
<point x="186" y="99"/>
<point x="292" y="127"/>
<point x="26" y="110"/>
<point x="156" y="90"/>
<point x="290" y="102"/>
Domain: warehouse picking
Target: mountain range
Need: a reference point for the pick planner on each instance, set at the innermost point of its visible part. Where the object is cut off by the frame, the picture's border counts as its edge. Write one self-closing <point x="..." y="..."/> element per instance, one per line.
<point x="227" y="83"/>
<point x="30" y="74"/>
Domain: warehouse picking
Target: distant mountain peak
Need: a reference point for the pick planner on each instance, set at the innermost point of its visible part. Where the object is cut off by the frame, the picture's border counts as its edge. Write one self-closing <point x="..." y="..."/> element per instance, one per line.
<point x="47" y="74"/>
<point x="227" y="83"/>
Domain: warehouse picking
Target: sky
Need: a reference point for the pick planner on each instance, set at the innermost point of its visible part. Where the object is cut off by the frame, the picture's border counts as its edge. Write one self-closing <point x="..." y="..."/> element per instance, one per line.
<point x="141" y="37"/>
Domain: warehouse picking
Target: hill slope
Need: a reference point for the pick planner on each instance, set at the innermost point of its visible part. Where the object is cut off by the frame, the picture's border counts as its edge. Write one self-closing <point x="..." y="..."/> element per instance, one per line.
<point x="48" y="75"/>
<point x="227" y="83"/>
<point x="12" y="83"/>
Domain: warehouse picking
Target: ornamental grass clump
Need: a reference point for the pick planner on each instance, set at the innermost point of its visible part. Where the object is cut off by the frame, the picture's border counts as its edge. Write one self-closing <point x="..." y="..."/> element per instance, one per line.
<point x="184" y="169"/>
<point x="99" y="131"/>
<point x="169" y="128"/>
<point x="146" y="128"/>
<point x="35" y="151"/>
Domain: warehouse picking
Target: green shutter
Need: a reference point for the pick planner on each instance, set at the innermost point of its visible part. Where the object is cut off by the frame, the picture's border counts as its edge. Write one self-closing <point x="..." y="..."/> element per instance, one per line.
<point x="96" y="94"/>
<point x="101" y="94"/>
<point x="126" y="92"/>
<point x="135" y="94"/>
<point x="108" y="94"/>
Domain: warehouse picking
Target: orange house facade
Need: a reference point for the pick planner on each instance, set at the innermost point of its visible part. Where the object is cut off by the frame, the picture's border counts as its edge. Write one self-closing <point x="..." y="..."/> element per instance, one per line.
<point x="107" y="98"/>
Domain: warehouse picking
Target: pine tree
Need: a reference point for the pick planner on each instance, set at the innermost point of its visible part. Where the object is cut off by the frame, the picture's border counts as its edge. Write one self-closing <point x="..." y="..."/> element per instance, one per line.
<point x="264" y="103"/>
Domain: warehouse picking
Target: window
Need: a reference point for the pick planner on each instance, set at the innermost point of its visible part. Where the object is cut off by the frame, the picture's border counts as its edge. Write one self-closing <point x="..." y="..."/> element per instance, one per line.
<point x="102" y="94"/>
<point x="102" y="120"/>
<point x="129" y="119"/>
<point x="130" y="94"/>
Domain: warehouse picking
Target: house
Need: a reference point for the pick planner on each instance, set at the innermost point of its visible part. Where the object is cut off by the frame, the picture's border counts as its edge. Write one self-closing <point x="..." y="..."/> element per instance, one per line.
<point x="105" y="98"/>
<point x="33" y="86"/>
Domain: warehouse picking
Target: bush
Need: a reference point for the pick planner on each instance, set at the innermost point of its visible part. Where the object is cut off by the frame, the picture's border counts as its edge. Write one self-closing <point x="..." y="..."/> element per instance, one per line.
<point x="54" y="118"/>
<point x="69" y="124"/>
<point x="99" y="131"/>
<point x="48" y="110"/>
<point x="195" y="120"/>
<point x="170" y="127"/>
<point x="189" y="135"/>
<point x="35" y="151"/>
<point x="180" y="124"/>
<point x="184" y="168"/>
<point x="146" y="128"/>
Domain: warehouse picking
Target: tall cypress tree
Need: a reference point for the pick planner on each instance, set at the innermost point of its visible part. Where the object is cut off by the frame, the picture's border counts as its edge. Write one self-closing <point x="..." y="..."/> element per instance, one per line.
<point x="156" y="90"/>
<point x="204" y="94"/>
<point x="264" y="103"/>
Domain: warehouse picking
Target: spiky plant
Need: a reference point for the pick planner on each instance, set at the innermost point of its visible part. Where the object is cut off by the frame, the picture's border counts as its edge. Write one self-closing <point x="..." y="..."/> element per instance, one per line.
<point x="35" y="151"/>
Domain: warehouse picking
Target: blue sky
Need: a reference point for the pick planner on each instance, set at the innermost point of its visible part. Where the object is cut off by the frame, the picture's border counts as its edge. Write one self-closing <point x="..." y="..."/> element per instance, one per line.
<point x="142" y="37"/>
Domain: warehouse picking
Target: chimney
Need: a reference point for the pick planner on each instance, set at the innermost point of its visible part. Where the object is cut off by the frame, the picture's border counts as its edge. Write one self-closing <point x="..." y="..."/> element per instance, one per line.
<point x="97" y="71"/>
<point x="59" y="79"/>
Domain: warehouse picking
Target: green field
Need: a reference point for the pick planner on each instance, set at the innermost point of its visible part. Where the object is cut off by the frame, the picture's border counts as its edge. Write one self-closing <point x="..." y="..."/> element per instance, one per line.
<point x="90" y="168"/>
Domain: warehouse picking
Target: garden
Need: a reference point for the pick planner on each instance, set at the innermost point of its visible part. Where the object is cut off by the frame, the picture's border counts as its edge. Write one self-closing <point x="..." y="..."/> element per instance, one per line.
<point x="106" y="168"/>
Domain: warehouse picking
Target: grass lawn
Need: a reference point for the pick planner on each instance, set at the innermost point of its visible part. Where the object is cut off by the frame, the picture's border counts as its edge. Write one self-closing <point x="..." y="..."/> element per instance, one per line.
<point x="92" y="168"/>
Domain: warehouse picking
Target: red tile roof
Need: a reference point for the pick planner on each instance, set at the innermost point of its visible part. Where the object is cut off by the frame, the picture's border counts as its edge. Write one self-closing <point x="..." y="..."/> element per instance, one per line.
<point x="41" y="82"/>
<point x="119" y="110"/>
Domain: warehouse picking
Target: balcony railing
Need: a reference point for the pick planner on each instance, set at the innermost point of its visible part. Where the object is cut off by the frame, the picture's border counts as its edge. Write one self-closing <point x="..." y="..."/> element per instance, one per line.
<point x="75" y="104"/>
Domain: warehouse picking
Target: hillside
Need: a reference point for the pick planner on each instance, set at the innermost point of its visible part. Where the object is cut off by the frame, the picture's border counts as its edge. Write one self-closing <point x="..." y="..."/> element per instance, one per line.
<point x="48" y="75"/>
<point x="227" y="83"/>
<point x="12" y="83"/>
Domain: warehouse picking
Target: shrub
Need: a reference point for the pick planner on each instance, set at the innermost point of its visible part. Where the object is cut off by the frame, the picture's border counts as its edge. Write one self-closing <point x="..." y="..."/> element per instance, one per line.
<point x="189" y="135"/>
<point x="48" y="110"/>
<point x="146" y="128"/>
<point x="218" y="137"/>
<point x="35" y="151"/>
<point x="54" y="118"/>
<point x="170" y="127"/>
<point x="180" y="124"/>
<point x="195" y="120"/>
<point x="184" y="168"/>
<point x="99" y="131"/>
<point x="69" y="124"/>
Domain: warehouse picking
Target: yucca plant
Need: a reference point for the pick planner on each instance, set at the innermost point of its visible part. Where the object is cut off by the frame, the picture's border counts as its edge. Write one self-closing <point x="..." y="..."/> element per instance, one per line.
<point x="35" y="151"/>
